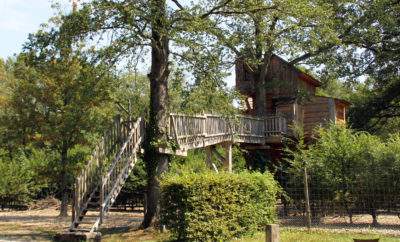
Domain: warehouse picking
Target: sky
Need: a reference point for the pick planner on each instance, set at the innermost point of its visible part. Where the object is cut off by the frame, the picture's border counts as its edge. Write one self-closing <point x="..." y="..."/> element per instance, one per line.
<point x="18" y="18"/>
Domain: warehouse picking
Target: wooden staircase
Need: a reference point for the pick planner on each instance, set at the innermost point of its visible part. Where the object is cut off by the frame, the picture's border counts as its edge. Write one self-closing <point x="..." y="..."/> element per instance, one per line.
<point x="103" y="177"/>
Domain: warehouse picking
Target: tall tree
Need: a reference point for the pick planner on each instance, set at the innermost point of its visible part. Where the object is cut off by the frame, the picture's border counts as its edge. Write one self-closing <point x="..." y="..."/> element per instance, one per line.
<point x="139" y="25"/>
<point x="298" y="30"/>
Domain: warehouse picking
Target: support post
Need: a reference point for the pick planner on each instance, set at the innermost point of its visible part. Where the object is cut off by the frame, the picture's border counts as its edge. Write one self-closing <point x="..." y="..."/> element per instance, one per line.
<point x="307" y="198"/>
<point x="272" y="233"/>
<point x="209" y="156"/>
<point x="228" y="157"/>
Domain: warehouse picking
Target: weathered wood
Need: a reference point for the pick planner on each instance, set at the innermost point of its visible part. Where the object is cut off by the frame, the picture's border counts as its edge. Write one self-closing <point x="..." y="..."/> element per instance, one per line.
<point x="108" y="185"/>
<point x="197" y="131"/>
<point x="117" y="152"/>
<point x="272" y="233"/>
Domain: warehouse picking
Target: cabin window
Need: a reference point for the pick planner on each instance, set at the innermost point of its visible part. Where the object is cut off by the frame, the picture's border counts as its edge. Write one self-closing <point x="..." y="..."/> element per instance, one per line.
<point x="249" y="103"/>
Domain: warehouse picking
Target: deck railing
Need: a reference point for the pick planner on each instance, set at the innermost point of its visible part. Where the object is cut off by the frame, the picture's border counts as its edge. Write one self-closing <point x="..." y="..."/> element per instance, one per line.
<point x="275" y="125"/>
<point x="193" y="131"/>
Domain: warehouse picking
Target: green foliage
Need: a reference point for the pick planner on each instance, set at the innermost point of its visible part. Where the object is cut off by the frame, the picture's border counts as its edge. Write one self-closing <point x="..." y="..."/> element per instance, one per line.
<point x="217" y="207"/>
<point x="24" y="176"/>
<point x="132" y="95"/>
<point x="354" y="169"/>
<point x="194" y="162"/>
<point x="136" y="182"/>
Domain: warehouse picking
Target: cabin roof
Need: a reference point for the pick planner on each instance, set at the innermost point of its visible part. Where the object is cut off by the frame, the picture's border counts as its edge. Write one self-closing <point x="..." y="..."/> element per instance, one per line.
<point x="302" y="75"/>
<point x="347" y="103"/>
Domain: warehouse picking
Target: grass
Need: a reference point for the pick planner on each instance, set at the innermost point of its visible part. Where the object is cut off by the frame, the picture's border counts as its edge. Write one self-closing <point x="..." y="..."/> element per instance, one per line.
<point x="287" y="235"/>
<point x="298" y="235"/>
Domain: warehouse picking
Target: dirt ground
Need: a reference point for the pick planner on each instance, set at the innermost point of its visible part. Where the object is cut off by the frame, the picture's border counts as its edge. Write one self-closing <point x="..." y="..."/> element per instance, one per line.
<point x="43" y="224"/>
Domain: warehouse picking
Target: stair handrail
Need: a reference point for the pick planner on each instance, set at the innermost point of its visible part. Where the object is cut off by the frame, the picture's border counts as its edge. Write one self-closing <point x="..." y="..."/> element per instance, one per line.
<point x="121" y="162"/>
<point x="89" y="177"/>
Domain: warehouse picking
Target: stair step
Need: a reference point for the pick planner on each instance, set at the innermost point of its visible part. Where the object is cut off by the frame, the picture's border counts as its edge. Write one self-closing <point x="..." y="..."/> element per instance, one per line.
<point x="80" y="230"/>
<point x="91" y="209"/>
<point x="86" y="222"/>
<point x="89" y="216"/>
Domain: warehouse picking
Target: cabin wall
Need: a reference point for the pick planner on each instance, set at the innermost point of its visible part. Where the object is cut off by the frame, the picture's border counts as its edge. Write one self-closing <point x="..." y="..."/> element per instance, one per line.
<point x="286" y="110"/>
<point x="319" y="110"/>
<point x="282" y="81"/>
<point x="340" y="112"/>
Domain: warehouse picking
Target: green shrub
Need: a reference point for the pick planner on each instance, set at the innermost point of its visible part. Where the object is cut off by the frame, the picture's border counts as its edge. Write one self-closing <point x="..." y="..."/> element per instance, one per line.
<point x="211" y="206"/>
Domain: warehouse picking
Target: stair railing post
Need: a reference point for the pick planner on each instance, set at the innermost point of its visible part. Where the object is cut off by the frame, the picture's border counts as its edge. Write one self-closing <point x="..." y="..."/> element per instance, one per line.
<point x="73" y="204"/>
<point x="101" y="191"/>
<point x="101" y="201"/>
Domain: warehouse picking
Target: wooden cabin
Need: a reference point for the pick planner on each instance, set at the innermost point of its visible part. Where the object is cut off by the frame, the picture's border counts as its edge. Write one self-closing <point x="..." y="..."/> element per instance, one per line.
<point x="291" y="93"/>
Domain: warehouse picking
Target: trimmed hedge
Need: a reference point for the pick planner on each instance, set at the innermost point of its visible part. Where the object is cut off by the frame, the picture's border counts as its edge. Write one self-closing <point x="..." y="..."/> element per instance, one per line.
<point x="211" y="206"/>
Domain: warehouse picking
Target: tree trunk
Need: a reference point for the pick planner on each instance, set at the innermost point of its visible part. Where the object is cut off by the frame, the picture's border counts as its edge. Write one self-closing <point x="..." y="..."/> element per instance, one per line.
<point x="261" y="89"/>
<point x="64" y="182"/>
<point x="156" y="132"/>
<point x="374" y="217"/>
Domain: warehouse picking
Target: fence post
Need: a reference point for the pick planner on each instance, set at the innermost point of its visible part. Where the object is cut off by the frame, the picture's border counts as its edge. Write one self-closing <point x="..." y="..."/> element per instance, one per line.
<point x="272" y="233"/>
<point x="307" y="198"/>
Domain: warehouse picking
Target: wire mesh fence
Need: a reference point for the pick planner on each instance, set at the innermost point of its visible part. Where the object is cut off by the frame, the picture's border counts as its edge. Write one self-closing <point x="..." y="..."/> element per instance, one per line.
<point x="340" y="207"/>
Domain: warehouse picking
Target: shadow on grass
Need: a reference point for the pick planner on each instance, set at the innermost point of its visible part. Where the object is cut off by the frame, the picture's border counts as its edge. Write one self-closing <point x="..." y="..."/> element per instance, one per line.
<point x="27" y="237"/>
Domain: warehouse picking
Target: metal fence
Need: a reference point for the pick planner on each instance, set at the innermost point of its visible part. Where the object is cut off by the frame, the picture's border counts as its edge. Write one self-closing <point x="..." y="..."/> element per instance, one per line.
<point x="339" y="207"/>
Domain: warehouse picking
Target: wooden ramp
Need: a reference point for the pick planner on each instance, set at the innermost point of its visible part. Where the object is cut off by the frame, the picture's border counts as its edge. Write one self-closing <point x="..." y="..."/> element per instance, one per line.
<point x="98" y="185"/>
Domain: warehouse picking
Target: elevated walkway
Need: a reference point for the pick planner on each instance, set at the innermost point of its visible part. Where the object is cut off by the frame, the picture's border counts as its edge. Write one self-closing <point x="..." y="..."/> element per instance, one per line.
<point x="98" y="185"/>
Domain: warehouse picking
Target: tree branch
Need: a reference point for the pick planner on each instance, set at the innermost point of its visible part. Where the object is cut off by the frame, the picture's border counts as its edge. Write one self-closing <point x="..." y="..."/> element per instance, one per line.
<point x="177" y="3"/>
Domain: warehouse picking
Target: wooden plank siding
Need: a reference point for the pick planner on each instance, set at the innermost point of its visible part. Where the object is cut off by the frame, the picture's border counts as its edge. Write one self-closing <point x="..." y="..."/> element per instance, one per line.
<point x="318" y="111"/>
<point x="284" y="82"/>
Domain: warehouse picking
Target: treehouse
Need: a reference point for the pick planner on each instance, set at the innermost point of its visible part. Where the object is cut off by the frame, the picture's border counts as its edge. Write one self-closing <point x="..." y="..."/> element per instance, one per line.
<point x="290" y="94"/>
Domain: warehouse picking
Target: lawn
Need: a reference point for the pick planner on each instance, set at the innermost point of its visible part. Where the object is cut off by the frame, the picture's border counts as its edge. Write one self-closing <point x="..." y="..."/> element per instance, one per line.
<point x="287" y="235"/>
<point x="43" y="224"/>
<point x="294" y="235"/>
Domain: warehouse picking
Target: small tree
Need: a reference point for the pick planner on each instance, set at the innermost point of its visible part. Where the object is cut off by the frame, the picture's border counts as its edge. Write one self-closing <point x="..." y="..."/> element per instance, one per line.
<point x="58" y="102"/>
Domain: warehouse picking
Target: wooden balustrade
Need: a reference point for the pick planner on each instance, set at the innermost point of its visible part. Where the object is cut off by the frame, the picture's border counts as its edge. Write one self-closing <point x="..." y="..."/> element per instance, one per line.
<point x="121" y="137"/>
<point x="275" y="125"/>
<point x="195" y="131"/>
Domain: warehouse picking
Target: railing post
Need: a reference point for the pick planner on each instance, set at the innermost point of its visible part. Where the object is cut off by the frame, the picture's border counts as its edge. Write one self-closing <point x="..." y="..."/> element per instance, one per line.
<point x="101" y="201"/>
<point x="101" y="191"/>
<point x="74" y="203"/>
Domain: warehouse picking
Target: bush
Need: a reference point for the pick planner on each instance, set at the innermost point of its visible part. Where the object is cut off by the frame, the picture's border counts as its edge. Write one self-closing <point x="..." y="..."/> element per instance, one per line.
<point x="211" y="206"/>
<point x="353" y="171"/>
<point x="20" y="181"/>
